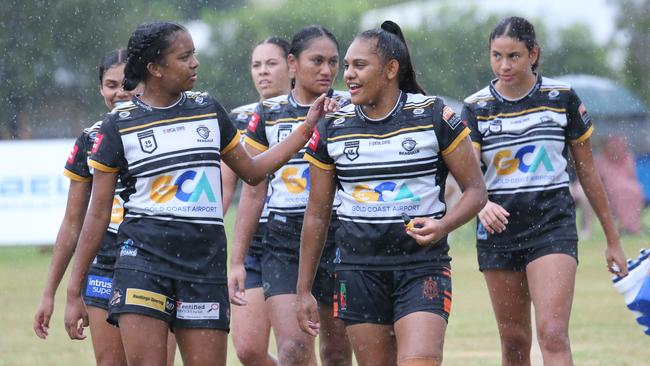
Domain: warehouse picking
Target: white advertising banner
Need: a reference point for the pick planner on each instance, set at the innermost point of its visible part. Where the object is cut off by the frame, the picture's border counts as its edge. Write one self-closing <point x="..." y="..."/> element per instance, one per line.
<point x="33" y="190"/>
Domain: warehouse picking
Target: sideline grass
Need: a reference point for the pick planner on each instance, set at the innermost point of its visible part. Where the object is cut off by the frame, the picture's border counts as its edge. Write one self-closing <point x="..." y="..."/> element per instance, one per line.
<point x="603" y="331"/>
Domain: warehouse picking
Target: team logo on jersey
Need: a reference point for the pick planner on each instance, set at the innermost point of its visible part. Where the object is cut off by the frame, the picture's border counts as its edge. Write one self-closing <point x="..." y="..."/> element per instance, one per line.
<point x="430" y="289"/>
<point x="495" y="126"/>
<point x="545" y="119"/>
<point x="481" y="104"/>
<point x="409" y="144"/>
<point x="351" y="150"/>
<point x="204" y="132"/>
<point x="148" y="142"/>
<point x="418" y="111"/>
<point x="338" y="121"/>
<point x="200" y="100"/>
<point x="275" y="107"/>
<point x="553" y="94"/>
<point x="124" y="114"/>
<point x="116" y="298"/>
<point x="284" y="131"/>
<point x="505" y="164"/>
<point x="449" y="116"/>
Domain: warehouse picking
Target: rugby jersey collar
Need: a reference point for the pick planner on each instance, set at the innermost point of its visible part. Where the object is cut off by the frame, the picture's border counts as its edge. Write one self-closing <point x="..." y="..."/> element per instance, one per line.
<point x="393" y="112"/>
<point x="294" y="102"/>
<point x="501" y="98"/>
<point x="136" y="99"/>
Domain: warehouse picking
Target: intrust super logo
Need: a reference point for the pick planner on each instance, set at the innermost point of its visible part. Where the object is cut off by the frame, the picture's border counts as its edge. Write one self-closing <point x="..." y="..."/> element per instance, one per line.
<point x="99" y="286"/>
<point x="190" y="186"/>
<point x="384" y="192"/>
<point x="527" y="159"/>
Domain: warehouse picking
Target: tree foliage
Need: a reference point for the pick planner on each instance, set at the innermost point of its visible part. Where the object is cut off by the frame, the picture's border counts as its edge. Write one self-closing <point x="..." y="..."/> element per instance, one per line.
<point x="634" y="20"/>
<point x="52" y="48"/>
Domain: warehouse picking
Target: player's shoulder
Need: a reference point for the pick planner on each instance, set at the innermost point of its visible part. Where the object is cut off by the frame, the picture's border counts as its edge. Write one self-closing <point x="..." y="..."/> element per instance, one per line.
<point x="275" y="103"/>
<point x="480" y="97"/>
<point x="246" y="108"/>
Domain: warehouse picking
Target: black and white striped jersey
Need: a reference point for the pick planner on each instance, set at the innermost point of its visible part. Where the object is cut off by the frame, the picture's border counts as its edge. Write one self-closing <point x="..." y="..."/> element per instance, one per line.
<point x="77" y="169"/>
<point x="524" y="148"/>
<point x="169" y="162"/>
<point x="385" y="168"/>
<point x="273" y="120"/>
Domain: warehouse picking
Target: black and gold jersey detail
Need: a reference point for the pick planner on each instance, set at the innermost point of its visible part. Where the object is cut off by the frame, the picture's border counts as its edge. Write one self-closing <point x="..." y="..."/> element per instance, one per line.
<point x="273" y="120"/>
<point x="524" y="147"/>
<point x="169" y="161"/>
<point x="385" y="168"/>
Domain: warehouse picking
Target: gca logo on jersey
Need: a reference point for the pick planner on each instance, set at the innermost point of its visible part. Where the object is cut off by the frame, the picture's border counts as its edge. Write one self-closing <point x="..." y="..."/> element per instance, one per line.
<point x="187" y="188"/>
<point x="505" y="164"/>
<point x="384" y="192"/>
<point x="294" y="180"/>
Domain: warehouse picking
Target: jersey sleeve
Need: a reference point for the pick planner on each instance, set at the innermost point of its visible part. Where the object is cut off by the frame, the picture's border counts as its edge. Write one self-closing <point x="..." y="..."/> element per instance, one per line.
<point x="227" y="130"/>
<point x="107" y="152"/>
<point x="240" y="120"/>
<point x="468" y="117"/>
<point x="256" y="130"/>
<point x="316" y="152"/>
<point x="76" y="167"/>
<point x="450" y="130"/>
<point x="579" y="124"/>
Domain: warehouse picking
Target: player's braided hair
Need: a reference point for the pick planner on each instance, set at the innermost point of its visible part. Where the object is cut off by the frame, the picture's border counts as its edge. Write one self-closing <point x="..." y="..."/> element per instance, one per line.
<point x="391" y="45"/>
<point x="519" y="29"/>
<point x="115" y="57"/>
<point x="146" y="45"/>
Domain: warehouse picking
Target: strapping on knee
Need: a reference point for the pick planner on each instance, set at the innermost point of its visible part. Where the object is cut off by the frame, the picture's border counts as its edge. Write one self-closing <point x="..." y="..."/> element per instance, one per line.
<point x="419" y="361"/>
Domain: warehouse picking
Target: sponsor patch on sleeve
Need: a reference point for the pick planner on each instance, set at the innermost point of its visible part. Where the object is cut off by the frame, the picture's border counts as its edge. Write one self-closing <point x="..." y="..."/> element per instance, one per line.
<point x="449" y="116"/>
<point x="586" y="118"/>
<point x="252" y="123"/>
<point x="73" y="153"/>
<point x="97" y="142"/>
<point x="313" y="141"/>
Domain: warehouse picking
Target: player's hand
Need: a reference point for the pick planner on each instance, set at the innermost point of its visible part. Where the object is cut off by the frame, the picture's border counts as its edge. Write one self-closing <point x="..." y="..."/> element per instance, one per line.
<point x="42" y="316"/>
<point x="75" y="317"/>
<point x="426" y="231"/>
<point x="307" y="313"/>
<point x="615" y="258"/>
<point x="237" y="284"/>
<point x="493" y="217"/>
<point x="321" y="106"/>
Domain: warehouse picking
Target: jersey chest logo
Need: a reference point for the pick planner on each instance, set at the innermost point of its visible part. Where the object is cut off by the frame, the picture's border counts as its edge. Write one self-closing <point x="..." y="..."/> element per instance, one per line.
<point x="351" y="150"/>
<point x="148" y="142"/>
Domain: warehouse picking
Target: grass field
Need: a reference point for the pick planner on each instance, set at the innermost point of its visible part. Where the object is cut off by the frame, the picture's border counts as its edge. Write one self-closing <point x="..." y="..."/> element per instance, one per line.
<point x="603" y="331"/>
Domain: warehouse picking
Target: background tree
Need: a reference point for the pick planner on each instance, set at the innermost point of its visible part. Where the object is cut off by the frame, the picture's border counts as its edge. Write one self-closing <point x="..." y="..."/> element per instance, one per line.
<point x="634" y="20"/>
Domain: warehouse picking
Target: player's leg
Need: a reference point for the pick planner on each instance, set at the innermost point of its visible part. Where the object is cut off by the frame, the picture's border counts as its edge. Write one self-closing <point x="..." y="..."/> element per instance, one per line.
<point x="420" y="338"/>
<point x="373" y="344"/>
<point x="505" y="277"/>
<point x="551" y="279"/>
<point x="107" y="342"/>
<point x="202" y="347"/>
<point x="334" y="344"/>
<point x="251" y="329"/>
<point x="511" y="304"/>
<point x="144" y="338"/>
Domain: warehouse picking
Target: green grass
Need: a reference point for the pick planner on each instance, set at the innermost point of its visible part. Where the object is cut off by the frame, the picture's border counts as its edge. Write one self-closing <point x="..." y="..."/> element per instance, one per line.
<point x="603" y="331"/>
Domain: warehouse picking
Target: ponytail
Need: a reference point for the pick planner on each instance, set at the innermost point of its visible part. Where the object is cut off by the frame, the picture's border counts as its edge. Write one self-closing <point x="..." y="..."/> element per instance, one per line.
<point x="391" y="45"/>
<point x="146" y="45"/>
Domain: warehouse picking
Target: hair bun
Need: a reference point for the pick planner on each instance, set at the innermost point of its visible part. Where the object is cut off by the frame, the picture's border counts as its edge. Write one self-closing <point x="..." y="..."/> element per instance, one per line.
<point x="390" y="26"/>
